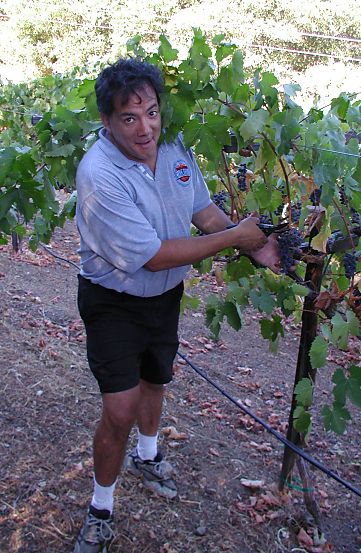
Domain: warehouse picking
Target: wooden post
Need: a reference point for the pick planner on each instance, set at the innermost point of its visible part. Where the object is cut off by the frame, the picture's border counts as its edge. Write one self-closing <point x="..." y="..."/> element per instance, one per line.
<point x="313" y="277"/>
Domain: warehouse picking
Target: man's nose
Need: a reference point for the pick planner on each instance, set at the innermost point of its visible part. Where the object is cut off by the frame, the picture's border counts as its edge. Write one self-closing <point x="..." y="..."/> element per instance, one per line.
<point x="144" y="126"/>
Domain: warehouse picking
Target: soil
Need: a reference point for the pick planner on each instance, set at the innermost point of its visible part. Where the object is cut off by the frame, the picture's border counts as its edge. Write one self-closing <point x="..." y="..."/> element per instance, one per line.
<point x="228" y="465"/>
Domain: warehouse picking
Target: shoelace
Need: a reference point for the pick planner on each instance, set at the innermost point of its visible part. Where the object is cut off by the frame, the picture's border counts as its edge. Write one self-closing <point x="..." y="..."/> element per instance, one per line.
<point x="160" y="470"/>
<point x="99" y="530"/>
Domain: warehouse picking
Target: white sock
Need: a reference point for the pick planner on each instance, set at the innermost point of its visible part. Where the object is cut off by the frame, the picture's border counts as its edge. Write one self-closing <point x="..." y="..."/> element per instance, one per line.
<point x="103" y="497"/>
<point x="147" y="446"/>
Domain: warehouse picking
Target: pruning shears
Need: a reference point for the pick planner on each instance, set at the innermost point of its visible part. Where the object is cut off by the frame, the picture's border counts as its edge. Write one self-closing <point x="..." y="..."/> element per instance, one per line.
<point x="270" y="229"/>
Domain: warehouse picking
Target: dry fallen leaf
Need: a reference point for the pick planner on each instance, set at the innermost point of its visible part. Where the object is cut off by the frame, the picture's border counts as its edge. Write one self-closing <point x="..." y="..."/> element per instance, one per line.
<point x="172" y="433"/>
<point x="254" y="484"/>
<point x="304" y="539"/>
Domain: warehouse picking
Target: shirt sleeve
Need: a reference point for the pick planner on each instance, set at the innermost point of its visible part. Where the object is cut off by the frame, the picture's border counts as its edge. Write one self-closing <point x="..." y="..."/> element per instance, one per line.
<point x="114" y="228"/>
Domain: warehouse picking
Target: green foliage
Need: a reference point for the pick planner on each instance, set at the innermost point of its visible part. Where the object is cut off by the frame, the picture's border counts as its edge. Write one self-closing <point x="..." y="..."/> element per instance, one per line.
<point x="38" y="159"/>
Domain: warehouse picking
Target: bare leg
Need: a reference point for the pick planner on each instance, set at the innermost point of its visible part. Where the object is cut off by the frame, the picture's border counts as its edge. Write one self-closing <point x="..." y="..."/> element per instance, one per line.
<point x="150" y="407"/>
<point x="111" y="436"/>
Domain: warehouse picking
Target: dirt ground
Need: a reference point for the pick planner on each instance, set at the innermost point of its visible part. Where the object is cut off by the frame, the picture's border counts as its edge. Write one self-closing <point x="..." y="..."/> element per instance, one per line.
<point x="227" y="465"/>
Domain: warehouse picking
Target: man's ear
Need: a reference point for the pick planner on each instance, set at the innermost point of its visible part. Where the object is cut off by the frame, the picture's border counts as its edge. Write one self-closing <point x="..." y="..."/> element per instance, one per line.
<point x="105" y="121"/>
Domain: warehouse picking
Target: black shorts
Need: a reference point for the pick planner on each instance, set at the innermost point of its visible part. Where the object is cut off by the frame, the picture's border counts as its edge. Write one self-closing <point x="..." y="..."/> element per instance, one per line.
<point x="129" y="337"/>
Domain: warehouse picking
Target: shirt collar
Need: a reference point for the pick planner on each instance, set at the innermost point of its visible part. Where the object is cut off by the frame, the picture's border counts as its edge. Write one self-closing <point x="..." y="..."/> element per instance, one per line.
<point x="114" y="154"/>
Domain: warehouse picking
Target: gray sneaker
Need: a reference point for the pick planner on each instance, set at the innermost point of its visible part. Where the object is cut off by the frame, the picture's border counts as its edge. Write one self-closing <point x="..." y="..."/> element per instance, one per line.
<point x="156" y="474"/>
<point x="96" y="532"/>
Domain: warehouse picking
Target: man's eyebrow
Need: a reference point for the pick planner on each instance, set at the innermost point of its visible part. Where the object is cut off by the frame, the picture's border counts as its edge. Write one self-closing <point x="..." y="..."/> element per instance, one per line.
<point x="131" y="114"/>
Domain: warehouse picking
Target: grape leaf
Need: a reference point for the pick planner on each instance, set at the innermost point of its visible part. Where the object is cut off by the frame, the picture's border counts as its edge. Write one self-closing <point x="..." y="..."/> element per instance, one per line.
<point x="224" y="50"/>
<point x="335" y="418"/>
<point x="166" y="51"/>
<point x="340" y="331"/>
<point x="262" y="300"/>
<point x="340" y="389"/>
<point x="214" y="314"/>
<point x="189" y="301"/>
<point x="204" y="266"/>
<point x="353" y="323"/>
<point x="61" y="151"/>
<point x="354" y="391"/>
<point x="254" y="124"/>
<point x="318" y="352"/>
<point x="271" y="329"/>
<point x="299" y="289"/>
<point x="304" y="392"/>
<point x="302" y="420"/>
<point x="7" y="158"/>
<point x="232" y="313"/>
<point x="241" y="268"/>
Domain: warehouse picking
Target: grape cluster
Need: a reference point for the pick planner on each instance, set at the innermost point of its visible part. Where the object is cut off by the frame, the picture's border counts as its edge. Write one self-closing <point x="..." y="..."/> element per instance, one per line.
<point x="357" y="294"/>
<point x="343" y="197"/>
<point x="220" y="200"/>
<point x="289" y="241"/>
<point x="279" y="210"/>
<point x="241" y="177"/>
<point x="315" y="196"/>
<point x="296" y="212"/>
<point x="265" y="220"/>
<point x="355" y="217"/>
<point x="349" y="263"/>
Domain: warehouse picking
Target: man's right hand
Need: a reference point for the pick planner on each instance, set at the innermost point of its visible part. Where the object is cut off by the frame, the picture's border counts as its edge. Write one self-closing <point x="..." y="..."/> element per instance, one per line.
<point x="247" y="236"/>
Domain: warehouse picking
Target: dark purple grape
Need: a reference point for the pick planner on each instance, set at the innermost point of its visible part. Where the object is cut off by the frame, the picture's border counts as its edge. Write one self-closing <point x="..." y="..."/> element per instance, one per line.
<point x="296" y="212"/>
<point x="242" y="177"/>
<point x="349" y="263"/>
<point x="343" y="197"/>
<point x="265" y="220"/>
<point x="352" y="134"/>
<point x="279" y="210"/>
<point x="289" y="241"/>
<point x="355" y="217"/>
<point x="220" y="200"/>
<point x="315" y="196"/>
<point x="356" y="293"/>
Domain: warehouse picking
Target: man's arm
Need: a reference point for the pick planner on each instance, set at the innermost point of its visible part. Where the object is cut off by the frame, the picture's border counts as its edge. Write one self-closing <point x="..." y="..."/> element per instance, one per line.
<point x="245" y="236"/>
<point x="211" y="219"/>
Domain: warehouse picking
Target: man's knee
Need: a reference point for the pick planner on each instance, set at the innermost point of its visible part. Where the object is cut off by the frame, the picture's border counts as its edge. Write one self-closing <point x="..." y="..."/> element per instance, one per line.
<point x="120" y="409"/>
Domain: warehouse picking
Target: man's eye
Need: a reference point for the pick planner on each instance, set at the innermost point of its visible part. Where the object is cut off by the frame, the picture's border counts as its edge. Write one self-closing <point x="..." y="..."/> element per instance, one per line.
<point x="129" y="120"/>
<point x="153" y="113"/>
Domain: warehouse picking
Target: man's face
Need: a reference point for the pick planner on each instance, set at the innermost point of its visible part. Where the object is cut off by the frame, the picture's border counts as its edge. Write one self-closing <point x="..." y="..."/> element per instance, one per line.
<point x="135" y="127"/>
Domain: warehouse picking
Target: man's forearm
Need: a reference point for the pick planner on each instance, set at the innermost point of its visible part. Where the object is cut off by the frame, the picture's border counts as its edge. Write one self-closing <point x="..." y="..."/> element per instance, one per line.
<point x="211" y="219"/>
<point x="185" y="251"/>
<point x="245" y="236"/>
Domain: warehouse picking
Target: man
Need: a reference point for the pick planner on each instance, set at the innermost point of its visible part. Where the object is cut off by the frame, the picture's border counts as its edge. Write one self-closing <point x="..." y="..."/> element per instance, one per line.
<point x="136" y="203"/>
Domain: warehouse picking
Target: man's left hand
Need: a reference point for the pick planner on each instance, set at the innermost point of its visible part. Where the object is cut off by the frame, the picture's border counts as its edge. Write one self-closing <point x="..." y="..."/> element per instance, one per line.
<point x="268" y="255"/>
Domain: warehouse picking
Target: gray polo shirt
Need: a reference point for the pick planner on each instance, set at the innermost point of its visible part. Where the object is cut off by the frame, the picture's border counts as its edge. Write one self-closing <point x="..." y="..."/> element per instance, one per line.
<point x="124" y="212"/>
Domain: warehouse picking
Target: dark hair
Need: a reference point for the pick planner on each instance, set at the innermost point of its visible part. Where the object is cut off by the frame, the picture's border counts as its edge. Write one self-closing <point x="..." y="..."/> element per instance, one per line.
<point x="123" y="78"/>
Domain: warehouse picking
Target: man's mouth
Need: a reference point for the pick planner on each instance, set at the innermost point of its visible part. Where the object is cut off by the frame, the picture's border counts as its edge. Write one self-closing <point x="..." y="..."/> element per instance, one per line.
<point x="145" y="142"/>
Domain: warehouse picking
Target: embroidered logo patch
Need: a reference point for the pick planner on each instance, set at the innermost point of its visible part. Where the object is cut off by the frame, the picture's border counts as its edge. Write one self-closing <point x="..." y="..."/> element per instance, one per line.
<point x="182" y="173"/>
